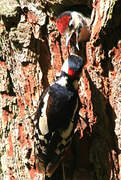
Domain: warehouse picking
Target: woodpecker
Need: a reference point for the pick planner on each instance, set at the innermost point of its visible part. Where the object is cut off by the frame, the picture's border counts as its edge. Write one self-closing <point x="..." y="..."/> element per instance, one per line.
<point x="56" y="117"/>
<point x="72" y="22"/>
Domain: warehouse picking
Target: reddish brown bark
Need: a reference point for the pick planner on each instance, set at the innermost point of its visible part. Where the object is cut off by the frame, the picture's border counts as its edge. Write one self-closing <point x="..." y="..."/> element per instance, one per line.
<point x="31" y="57"/>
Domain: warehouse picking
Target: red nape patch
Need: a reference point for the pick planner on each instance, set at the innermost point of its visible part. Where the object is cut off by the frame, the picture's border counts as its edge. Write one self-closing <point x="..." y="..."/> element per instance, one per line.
<point x="72" y="73"/>
<point x="62" y="23"/>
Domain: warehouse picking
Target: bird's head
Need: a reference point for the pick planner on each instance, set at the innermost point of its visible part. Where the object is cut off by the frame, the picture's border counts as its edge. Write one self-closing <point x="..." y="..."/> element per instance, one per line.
<point x="73" y="66"/>
<point x="69" y="23"/>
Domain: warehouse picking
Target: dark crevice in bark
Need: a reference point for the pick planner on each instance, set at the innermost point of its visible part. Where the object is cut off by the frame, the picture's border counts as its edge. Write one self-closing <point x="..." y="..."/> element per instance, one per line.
<point x="10" y="86"/>
<point x="12" y="21"/>
<point x="60" y="46"/>
<point x="80" y="7"/>
<point x="28" y="155"/>
<point x="112" y="116"/>
<point x="109" y="38"/>
<point x="104" y="129"/>
<point x="83" y="8"/>
<point x="6" y="108"/>
<point x="111" y="34"/>
<point x="3" y="59"/>
<point x="25" y="63"/>
<point x="43" y="57"/>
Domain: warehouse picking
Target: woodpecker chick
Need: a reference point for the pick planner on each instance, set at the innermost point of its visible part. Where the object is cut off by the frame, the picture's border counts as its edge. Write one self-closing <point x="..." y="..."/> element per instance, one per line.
<point x="69" y="23"/>
<point x="56" y="117"/>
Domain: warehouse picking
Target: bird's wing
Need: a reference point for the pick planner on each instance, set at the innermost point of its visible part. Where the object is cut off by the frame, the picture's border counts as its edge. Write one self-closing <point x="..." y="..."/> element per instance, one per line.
<point x="60" y="108"/>
<point x="55" y="109"/>
<point x="54" y="126"/>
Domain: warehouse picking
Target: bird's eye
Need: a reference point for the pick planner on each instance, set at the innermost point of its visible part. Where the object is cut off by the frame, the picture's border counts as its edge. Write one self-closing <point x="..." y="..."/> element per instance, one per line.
<point x="71" y="26"/>
<point x="79" y="28"/>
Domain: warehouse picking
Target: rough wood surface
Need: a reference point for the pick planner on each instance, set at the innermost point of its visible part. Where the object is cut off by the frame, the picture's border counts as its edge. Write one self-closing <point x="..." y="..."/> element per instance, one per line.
<point x="31" y="55"/>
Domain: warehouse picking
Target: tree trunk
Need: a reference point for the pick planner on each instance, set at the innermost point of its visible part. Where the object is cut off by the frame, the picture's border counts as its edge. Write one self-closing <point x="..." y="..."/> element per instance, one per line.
<point x="31" y="55"/>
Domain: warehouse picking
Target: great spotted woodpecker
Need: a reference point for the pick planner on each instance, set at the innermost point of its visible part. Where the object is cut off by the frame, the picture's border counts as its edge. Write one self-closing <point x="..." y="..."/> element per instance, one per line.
<point x="56" y="117"/>
<point x="69" y="23"/>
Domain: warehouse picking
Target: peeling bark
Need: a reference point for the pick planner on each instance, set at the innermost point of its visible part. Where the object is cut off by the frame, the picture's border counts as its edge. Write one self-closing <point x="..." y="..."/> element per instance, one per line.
<point x="31" y="55"/>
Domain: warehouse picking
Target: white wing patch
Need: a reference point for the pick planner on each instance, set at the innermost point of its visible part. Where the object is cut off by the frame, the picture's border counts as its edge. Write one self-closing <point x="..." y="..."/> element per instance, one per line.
<point x="43" y="124"/>
<point x="67" y="132"/>
<point x="62" y="81"/>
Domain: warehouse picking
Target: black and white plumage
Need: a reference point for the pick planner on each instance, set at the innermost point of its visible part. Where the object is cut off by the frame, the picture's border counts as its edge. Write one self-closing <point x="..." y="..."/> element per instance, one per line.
<point x="56" y="117"/>
<point x="70" y="22"/>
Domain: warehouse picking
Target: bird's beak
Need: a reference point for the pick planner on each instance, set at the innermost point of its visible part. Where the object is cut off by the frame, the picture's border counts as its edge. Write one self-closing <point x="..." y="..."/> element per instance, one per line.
<point x="77" y="39"/>
<point x="68" y="37"/>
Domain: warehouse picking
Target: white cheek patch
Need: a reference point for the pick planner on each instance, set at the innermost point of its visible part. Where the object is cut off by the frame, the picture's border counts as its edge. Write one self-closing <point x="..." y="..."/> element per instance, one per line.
<point x="43" y="124"/>
<point x="62" y="81"/>
<point x="65" y="66"/>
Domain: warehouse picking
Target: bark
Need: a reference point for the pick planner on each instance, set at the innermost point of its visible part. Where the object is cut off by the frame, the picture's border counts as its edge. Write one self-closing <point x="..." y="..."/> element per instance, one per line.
<point x="31" y="55"/>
